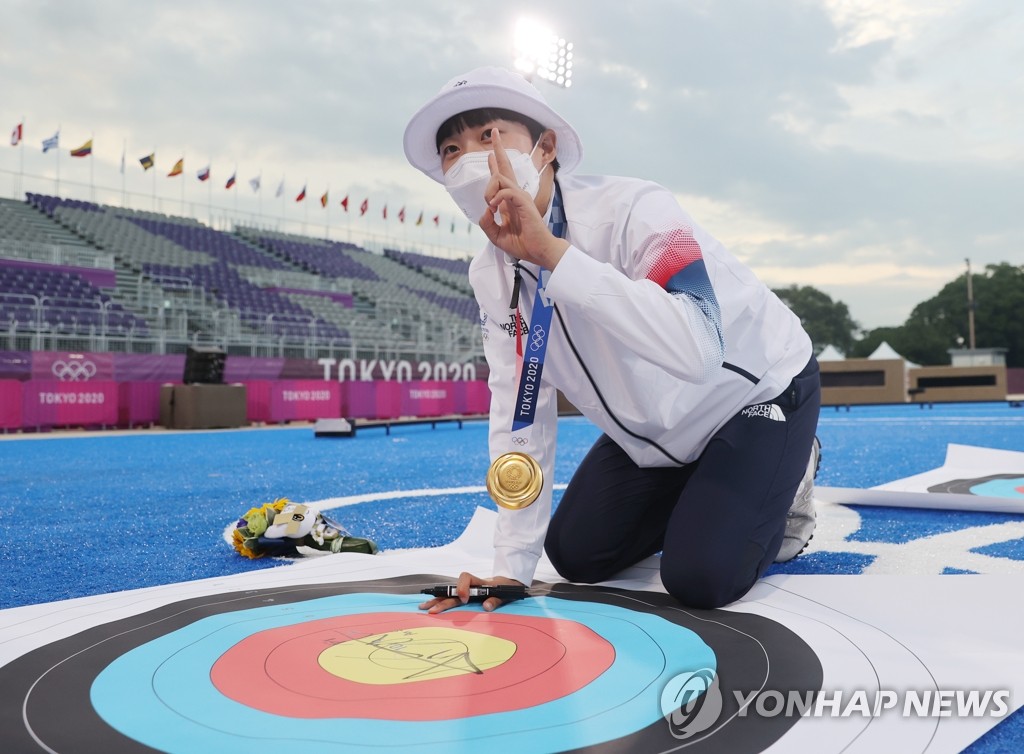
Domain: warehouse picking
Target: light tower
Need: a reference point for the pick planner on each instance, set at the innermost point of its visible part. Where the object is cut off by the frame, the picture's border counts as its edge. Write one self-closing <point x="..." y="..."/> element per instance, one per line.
<point x="541" y="53"/>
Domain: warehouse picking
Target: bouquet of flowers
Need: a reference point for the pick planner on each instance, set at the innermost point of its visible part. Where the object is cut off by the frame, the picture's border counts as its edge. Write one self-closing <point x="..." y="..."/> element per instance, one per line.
<point x="280" y="527"/>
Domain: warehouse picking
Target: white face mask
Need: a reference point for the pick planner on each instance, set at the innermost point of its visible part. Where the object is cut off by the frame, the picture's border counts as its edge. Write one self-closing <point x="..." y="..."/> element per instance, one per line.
<point x="466" y="180"/>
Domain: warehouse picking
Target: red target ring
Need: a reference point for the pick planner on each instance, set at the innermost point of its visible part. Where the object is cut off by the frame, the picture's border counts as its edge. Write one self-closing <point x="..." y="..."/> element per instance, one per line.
<point x="415" y="665"/>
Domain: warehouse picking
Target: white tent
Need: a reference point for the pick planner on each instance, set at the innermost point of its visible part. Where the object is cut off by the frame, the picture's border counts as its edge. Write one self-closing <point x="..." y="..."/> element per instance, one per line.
<point x="831" y="353"/>
<point x="885" y="351"/>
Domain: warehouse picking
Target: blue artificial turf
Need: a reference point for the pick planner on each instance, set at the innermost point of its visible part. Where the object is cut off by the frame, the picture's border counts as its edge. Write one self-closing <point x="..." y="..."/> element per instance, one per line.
<point x="95" y="514"/>
<point x="86" y="515"/>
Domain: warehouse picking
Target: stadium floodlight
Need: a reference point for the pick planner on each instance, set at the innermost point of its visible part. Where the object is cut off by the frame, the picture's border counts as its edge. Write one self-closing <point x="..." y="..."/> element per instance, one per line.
<point x="542" y="53"/>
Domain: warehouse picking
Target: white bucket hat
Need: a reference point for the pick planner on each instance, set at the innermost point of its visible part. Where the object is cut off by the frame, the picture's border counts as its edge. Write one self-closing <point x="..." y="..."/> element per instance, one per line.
<point x="485" y="87"/>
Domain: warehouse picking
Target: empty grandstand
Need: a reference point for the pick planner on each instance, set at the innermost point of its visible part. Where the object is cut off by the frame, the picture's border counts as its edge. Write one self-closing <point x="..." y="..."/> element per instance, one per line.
<point x="76" y="275"/>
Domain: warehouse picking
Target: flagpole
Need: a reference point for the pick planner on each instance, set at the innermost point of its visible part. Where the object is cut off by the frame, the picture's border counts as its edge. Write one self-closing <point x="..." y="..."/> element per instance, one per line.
<point x="183" y="184"/>
<point x="56" y="184"/>
<point x="19" y="181"/>
<point x="92" y="169"/>
<point x="124" y="154"/>
<point x="154" y="178"/>
<point x="280" y="193"/>
<point x="305" y="209"/>
<point x="327" y="214"/>
<point x="259" y="197"/>
<point x="21" y="168"/>
<point x="209" y="194"/>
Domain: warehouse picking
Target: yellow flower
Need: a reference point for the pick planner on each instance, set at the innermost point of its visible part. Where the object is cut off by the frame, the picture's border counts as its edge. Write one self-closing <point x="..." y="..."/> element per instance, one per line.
<point x="238" y="540"/>
<point x="255" y="524"/>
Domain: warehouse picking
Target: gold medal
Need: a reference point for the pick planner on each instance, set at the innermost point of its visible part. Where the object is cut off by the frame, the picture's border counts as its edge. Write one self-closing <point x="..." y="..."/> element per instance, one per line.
<point x="515" y="480"/>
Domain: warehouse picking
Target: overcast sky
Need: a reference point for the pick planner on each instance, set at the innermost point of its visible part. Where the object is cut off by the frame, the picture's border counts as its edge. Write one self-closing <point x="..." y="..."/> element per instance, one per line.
<point x="863" y="147"/>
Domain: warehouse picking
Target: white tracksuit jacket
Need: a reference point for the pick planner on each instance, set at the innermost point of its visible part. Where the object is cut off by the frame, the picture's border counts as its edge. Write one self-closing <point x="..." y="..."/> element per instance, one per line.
<point x="677" y="334"/>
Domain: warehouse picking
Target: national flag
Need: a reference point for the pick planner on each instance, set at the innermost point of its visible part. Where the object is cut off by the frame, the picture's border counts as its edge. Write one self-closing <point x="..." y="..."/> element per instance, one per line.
<point x="255" y="183"/>
<point x="385" y="212"/>
<point x="83" y="151"/>
<point x="231" y="180"/>
<point x="419" y="220"/>
<point x="178" y="169"/>
<point x="344" y="202"/>
<point x="52" y="143"/>
<point x="437" y="220"/>
<point x="302" y="195"/>
<point x="363" y="207"/>
<point x="123" y="155"/>
<point x="280" y="188"/>
<point x="323" y="200"/>
<point x="401" y="215"/>
<point x="204" y="174"/>
<point x="16" y="135"/>
<point x="148" y="161"/>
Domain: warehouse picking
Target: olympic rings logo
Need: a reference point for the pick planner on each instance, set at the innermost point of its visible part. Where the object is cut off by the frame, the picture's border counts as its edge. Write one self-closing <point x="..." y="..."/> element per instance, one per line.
<point x="520" y="441"/>
<point x="73" y="371"/>
<point x="537" y="337"/>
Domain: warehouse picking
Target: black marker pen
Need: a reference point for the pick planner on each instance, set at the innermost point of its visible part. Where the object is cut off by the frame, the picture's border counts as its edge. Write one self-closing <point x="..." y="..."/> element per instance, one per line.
<point x="478" y="593"/>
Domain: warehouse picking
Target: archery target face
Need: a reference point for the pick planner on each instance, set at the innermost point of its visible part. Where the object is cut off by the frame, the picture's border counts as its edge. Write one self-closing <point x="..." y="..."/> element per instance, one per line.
<point x="410" y="666"/>
<point x="993" y="485"/>
<point x="350" y="667"/>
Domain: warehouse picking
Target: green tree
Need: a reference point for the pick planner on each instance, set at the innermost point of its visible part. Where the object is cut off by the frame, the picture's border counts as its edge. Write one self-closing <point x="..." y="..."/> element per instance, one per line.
<point x="826" y="321"/>
<point x="941" y="323"/>
<point x="919" y="343"/>
<point x="872" y="339"/>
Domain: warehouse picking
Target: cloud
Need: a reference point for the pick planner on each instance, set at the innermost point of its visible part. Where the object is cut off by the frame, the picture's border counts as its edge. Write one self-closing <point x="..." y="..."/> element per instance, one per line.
<point x="864" y="21"/>
<point x="862" y="133"/>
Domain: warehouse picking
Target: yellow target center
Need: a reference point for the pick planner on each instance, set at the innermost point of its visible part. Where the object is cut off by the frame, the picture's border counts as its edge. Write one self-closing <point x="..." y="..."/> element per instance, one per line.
<point x="415" y="654"/>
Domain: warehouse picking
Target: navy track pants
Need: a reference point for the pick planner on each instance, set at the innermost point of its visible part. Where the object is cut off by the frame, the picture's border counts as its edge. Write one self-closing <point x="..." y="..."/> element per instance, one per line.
<point x="718" y="521"/>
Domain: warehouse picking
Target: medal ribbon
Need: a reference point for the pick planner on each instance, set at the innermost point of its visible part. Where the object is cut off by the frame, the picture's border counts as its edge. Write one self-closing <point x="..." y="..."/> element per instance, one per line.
<point x="530" y="358"/>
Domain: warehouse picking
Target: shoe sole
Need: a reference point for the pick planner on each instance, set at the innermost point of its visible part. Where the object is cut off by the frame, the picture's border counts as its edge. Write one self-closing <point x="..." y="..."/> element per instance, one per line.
<point x="817" y="468"/>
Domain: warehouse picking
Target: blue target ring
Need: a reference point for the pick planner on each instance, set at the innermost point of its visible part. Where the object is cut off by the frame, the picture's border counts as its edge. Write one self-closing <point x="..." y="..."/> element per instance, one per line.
<point x="1008" y="487"/>
<point x="161" y="695"/>
<point x="993" y="485"/>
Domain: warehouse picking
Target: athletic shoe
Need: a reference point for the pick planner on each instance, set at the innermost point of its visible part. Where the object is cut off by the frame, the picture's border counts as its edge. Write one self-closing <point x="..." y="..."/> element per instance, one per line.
<point x="800" y="520"/>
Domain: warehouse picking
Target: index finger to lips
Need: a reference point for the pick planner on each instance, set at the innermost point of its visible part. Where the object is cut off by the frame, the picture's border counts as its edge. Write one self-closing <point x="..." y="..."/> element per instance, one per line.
<point x="504" y="165"/>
